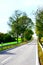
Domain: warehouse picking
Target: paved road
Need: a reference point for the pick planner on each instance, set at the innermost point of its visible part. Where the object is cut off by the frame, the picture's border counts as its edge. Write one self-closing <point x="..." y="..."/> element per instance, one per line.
<point x="23" y="55"/>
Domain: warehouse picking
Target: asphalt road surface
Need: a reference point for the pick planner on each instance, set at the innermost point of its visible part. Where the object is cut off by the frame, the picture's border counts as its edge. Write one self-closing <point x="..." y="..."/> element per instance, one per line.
<point x="24" y="55"/>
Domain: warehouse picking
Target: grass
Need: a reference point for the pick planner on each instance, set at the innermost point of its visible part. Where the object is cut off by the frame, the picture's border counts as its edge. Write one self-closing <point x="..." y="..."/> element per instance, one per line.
<point x="9" y="45"/>
<point x="40" y="53"/>
<point x="5" y="46"/>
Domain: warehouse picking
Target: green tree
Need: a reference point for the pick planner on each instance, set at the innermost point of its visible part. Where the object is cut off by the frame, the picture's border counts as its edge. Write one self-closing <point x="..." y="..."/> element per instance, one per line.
<point x="28" y="34"/>
<point x="39" y="23"/>
<point x="25" y="23"/>
<point x="1" y="37"/>
<point x="13" y="23"/>
<point x="8" y="38"/>
<point x="19" y="22"/>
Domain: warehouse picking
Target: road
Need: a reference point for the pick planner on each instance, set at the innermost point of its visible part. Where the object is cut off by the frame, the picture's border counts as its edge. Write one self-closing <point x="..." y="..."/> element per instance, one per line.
<point x="24" y="55"/>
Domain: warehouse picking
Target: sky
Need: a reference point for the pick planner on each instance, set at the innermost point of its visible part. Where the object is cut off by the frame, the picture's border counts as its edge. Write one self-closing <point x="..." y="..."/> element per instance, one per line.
<point x="7" y="8"/>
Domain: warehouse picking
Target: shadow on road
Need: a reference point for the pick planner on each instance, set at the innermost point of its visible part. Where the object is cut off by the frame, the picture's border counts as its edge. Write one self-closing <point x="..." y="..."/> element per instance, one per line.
<point x="7" y="53"/>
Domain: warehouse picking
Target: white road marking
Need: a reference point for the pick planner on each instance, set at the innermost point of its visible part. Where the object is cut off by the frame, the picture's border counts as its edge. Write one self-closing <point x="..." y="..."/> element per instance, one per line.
<point x="37" y="61"/>
<point x="26" y="54"/>
<point x="6" y="60"/>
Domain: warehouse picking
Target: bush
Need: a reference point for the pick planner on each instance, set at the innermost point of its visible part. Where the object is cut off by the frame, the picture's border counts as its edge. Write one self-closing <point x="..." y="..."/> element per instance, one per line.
<point x="6" y="38"/>
<point x="1" y="37"/>
<point x="28" y="34"/>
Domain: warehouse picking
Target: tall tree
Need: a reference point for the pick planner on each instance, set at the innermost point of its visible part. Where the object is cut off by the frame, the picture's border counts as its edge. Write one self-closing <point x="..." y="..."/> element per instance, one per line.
<point x="28" y="34"/>
<point x="39" y="23"/>
<point x="25" y="23"/>
<point x="14" y="23"/>
<point x="19" y="22"/>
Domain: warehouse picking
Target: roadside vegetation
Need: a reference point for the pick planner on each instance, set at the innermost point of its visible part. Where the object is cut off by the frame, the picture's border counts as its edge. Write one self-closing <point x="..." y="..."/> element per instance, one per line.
<point x="10" y="45"/>
<point x="39" y="32"/>
<point x="20" y="31"/>
<point x="39" y="25"/>
<point x="40" y="54"/>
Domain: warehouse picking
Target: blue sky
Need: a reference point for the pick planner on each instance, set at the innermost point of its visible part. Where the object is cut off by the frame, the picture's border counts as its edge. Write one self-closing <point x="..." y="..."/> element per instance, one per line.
<point x="7" y="8"/>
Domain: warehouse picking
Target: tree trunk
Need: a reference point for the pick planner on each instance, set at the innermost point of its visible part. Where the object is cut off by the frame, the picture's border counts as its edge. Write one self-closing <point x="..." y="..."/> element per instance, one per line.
<point x="17" y="38"/>
<point x="22" y="37"/>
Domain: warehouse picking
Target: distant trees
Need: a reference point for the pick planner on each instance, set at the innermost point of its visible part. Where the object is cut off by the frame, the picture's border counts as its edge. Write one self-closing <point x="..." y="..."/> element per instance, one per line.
<point x="1" y="37"/>
<point x="25" y="23"/>
<point x="6" y="38"/>
<point x="39" y="24"/>
<point x="28" y="34"/>
<point x="21" y="25"/>
<point x="19" y="22"/>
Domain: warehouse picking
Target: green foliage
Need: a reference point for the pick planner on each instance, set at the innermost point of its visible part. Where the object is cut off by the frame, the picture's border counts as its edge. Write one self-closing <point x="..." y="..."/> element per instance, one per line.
<point x="39" y="23"/>
<point x="25" y="22"/>
<point x="19" y="22"/>
<point x="1" y="37"/>
<point x="28" y="34"/>
<point x="14" y="24"/>
<point x="6" y="38"/>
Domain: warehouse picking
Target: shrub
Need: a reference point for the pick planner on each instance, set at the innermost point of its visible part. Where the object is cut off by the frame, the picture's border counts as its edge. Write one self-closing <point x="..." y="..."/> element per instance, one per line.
<point x="6" y="38"/>
<point x="28" y="34"/>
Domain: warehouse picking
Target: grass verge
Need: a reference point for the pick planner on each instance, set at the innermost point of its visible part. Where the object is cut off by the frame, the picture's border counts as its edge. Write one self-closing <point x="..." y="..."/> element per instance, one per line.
<point x="40" y="53"/>
<point x="10" y="45"/>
